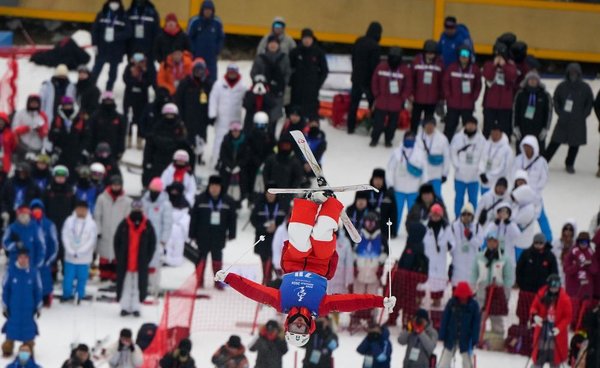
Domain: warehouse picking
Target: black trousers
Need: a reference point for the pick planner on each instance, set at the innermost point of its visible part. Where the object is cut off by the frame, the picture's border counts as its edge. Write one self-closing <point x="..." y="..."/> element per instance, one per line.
<point x="420" y="112"/>
<point x="492" y="117"/>
<point x="451" y="120"/>
<point x="571" y="154"/>
<point x="380" y="126"/>
<point x="356" y="94"/>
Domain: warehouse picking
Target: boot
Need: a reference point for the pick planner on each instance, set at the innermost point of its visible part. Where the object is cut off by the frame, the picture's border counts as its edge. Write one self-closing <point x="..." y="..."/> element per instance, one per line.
<point x="200" y="273"/>
<point x="48" y="300"/>
<point x="7" y="348"/>
<point x="216" y="266"/>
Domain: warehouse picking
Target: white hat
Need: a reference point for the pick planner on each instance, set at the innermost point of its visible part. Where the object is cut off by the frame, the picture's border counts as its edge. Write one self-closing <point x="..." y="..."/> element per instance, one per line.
<point x="170" y="108"/>
<point x="181" y="155"/>
<point x="61" y="71"/>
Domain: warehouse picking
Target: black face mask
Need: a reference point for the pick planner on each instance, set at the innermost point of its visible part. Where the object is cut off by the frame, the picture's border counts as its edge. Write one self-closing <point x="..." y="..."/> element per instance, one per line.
<point x="30" y="109"/>
<point x="470" y="134"/>
<point x="68" y="112"/>
<point x="313" y="131"/>
<point x="108" y="106"/>
<point x="154" y="195"/>
<point x="83" y="183"/>
<point x="394" y="61"/>
<point x="136" y="216"/>
<point x="170" y="121"/>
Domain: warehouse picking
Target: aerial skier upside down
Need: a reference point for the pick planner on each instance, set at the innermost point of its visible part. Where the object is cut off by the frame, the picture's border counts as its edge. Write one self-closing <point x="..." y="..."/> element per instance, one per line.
<point x="308" y="260"/>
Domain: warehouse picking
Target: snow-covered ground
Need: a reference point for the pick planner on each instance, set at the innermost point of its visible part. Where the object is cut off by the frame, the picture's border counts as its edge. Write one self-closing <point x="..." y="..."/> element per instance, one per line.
<point x="348" y="160"/>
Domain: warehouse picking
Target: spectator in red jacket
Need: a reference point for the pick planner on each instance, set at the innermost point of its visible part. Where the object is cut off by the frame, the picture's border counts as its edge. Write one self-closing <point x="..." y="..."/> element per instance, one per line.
<point x="427" y="75"/>
<point x="8" y="142"/>
<point x="461" y="84"/>
<point x="391" y="86"/>
<point x="500" y="82"/>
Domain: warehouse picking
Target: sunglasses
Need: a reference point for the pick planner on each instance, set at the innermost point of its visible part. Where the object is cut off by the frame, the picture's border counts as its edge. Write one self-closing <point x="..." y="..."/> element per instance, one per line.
<point x="299" y="329"/>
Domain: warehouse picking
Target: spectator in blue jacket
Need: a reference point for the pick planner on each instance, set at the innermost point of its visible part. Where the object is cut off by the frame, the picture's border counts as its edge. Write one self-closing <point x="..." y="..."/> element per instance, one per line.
<point x="21" y="302"/>
<point x="460" y="326"/>
<point x="51" y="242"/>
<point x="24" y="358"/>
<point x="111" y="32"/>
<point x="145" y="24"/>
<point x="454" y="36"/>
<point x="376" y="348"/>
<point x="207" y="37"/>
<point x="25" y="233"/>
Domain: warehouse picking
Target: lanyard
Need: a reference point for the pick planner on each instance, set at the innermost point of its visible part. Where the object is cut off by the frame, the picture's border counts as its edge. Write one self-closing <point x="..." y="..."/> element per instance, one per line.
<point x="77" y="234"/>
<point x="112" y="17"/>
<point x="531" y="99"/>
<point x="428" y="149"/>
<point x="212" y="205"/>
<point x="379" y="200"/>
<point x="275" y="211"/>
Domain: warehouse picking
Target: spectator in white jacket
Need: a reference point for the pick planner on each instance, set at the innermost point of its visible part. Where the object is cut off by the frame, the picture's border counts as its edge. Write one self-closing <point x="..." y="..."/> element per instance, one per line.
<point x="466" y="151"/>
<point x="225" y="106"/>
<point x="54" y="89"/>
<point x="526" y="208"/>
<point x="179" y="170"/>
<point x="489" y="201"/>
<point x="536" y="167"/>
<point x="180" y="225"/>
<point x="406" y="171"/>
<point x="30" y="125"/>
<point x="126" y="353"/>
<point x="79" y="235"/>
<point x="438" y="242"/>
<point x="468" y="237"/>
<point x="437" y="151"/>
<point x="496" y="160"/>
<point x="507" y="231"/>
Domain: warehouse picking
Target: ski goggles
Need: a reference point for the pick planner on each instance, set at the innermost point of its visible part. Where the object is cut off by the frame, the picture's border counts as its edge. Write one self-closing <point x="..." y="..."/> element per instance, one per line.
<point x="464" y="53"/>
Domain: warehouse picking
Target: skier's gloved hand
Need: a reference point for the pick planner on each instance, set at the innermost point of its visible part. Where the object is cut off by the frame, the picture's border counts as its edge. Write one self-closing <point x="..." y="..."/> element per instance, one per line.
<point x="555" y="331"/>
<point x="539" y="321"/>
<point x="389" y="303"/>
<point x="220" y="275"/>
<point x="483" y="178"/>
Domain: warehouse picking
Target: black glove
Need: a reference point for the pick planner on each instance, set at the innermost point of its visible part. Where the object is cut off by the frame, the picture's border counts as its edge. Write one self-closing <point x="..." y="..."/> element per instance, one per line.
<point x="497" y="221"/>
<point x="507" y="221"/>
<point x="483" y="178"/>
<point x="444" y="179"/>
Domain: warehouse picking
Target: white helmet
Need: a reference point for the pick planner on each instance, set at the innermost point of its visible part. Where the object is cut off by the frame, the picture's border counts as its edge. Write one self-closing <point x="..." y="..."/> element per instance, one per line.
<point x="170" y="108"/>
<point x="98" y="168"/>
<point x="181" y="155"/>
<point x="261" y="118"/>
<point x="296" y="339"/>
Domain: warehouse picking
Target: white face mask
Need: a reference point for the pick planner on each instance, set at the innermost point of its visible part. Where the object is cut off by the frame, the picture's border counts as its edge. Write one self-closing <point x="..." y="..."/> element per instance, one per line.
<point x="113" y="5"/>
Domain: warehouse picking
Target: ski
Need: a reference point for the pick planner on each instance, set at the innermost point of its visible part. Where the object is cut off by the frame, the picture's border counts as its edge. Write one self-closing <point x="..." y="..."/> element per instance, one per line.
<point x="321" y="182"/>
<point x="345" y="188"/>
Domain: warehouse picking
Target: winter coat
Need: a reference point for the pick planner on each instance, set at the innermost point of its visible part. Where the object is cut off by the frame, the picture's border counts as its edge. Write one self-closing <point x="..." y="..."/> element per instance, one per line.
<point x="17" y="192"/>
<point x="386" y="98"/>
<point x="573" y="102"/>
<point x="88" y="192"/>
<point x="225" y="103"/>
<point x="122" y="357"/>
<point x="320" y="347"/>
<point x="30" y="127"/>
<point x="255" y="102"/>
<point x="276" y="69"/>
<point x="562" y="317"/>
<point x="532" y="110"/>
<point x="51" y="93"/>
<point x="436" y="250"/>
<point x="171" y="360"/>
<point x="171" y="74"/>
<point x="425" y="342"/>
<point x="233" y="156"/>
<point x="145" y="25"/>
<point x="448" y="46"/>
<point x="136" y="88"/>
<point x="413" y="258"/>
<point x="166" y="138"/>
<point x="284" y="170"/>
<point x="344" y="273"/>
<point x="370" y="254"/>
<point x="466" y="153"/>
<point x="309" y="72"/>
<point x="8" y="144"/>
<point x="499" y="273"/>
<point x="455" y="82"/>
<point x="179" y="235"/>
<point x="146" y="249"/>
<point x="591" y="324"/>
<point x="496" y="161"/>
<point x="427" y="80"/>
<point x="160" y="214"/>
<point x="87" y="97"/>
<point x="189" y="182"/>
<point x="581" y="270"/>
<point x="526" y="209"/>
<point x="108" y="215"/>
<point x="384" y="203"/>
<point x="122" y="31"/>
<point x="73" y="142"/>
<point x="560" y="250"/>
<point x="107" y="125"/>
<point x="192" y="100"/>
<point x="264" y="213"/>
<point x="212" y="236"/>
<point x="365" y="56"/>
<point x="500" y="85"/>
<point x="465" y="249"/>
<point x="79" y="238"/>
<point x="21" y="299"/>
<point x="460" y="324"/>
<point x="228" y="357"/>
<point x="508" y="235"/>
<point x="280" y="237"/>
<point x="406" y="170"/>
<point x="269" y="351"/>
<point x="534" y="267"/>
<point x="419" y="212"/>
<point x="260" y="144"/>
<point x="536" y="166"/>
<point x="50" y="236"/>
<point x="286" y="43"/>
<point x="165" y="43"/>
<point x="437" y="152"/>
<point x="30" y="364"/>
<point x="207" y="38"/>
<point x="29" y="236"/>
<point x="487" y="206"/>
<point x="59" y="201"/>
<point x="379" y="350"/>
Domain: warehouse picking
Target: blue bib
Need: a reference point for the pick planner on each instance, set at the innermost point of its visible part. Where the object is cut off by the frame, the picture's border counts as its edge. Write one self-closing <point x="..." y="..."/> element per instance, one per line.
<point x="302" y="289"/>
<point x="369" y="248"/>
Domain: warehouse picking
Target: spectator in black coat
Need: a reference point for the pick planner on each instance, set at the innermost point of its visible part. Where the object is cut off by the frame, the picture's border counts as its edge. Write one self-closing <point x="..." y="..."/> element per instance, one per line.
<point x="257" y="99"/>
<point x="268" y="213"/>
<point x="19" y="190"/>
<point x="233" y="160"/>
<point x="70" y="135"/>
<point x="108" y="125"/>
<point x="260" y="145"/>
<point x="358" y="210"/>
<point x="145" y="24"/>
<point x="80" y="358"/>
<point x="532" y="111"/>
<point x="591" y="324"/>
<point x="213" y="222"/>
<point x="87" y="94"/>
<point x="283" y="168"/>
<point x="384" y="202"/>
<point x="269" y="346"/>
<point x="59" y="199"/>
<point x="168" y="136"/>
<point x="110" y="33"/>
<point x="365" y="57"/>
<point x="152" y="112"/>
<point x="103" y="155"/>
<point x="192" y="99"/>
<point x="138" y="78"/>
<point x="180" y="357"/>
<point x="171" y="38"/>
<point x="321" y="345"/>
<point x="420" y="210"/>
<point x="309" y="71"/>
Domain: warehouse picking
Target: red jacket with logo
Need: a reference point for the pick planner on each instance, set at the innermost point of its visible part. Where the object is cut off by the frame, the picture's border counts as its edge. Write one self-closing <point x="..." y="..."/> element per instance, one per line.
<point x="500" y="84"/>
<point x="454" y="76"/>
<point x="381" y="86"/>
<point x="427" y="80"/>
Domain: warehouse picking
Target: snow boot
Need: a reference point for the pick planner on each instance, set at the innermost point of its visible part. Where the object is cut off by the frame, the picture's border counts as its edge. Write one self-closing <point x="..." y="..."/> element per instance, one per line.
<point x="48" y="300"/>
<point x="200" y="273"/>
<point x="216" y="266"/>
<point x="7" y="348"/>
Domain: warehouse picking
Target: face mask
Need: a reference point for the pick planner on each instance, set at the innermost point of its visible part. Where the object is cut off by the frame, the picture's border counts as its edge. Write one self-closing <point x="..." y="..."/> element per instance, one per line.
<point x="470" y="133"/>
<point x="314" y="131"/>
<point x="24" y="356"/>
<point x="68" y="112"/>
<point x="136" y="216"/>
<point x="114" y="6"/>
<point x="37" y="213"/>
<point x="33" y="108"/>
<point x="259" y="89"/>
<point x="154" y="195"/>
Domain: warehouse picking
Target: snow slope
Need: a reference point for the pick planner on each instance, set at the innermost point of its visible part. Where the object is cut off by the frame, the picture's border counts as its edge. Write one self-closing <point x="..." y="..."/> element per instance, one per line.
<point x="348" y="160"/>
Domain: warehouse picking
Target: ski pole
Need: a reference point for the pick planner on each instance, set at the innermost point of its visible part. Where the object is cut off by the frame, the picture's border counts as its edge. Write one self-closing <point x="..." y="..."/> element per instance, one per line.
<point x="260" y="239"/>
<point x="389" y="225"/>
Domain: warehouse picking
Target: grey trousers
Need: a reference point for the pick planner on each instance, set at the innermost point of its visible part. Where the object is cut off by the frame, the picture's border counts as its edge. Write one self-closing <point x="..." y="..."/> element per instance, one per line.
<point x="130" y="296"/>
